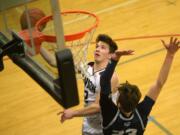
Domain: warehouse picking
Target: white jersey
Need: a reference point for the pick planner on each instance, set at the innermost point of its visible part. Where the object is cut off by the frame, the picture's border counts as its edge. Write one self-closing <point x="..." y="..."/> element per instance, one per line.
<point x="92" y="123"/>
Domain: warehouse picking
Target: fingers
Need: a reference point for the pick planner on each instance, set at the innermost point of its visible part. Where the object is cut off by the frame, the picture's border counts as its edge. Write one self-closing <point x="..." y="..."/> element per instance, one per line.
<point x="163" y="42"/>
<point x="175" y="40"/>
<point x="60" y="112"/>
<point x="62" y="119"/>
<point x="131" y="52"/>
<point x="177" y="43"/>
<point x="171" y="40"/>
<point x="124" y="52"/>
<point x="173" y="46"/>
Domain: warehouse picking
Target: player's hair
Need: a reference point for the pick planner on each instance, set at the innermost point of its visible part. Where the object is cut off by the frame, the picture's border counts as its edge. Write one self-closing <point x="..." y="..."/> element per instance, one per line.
<point x="129" y="96"/>
<point x="107" y="39"/>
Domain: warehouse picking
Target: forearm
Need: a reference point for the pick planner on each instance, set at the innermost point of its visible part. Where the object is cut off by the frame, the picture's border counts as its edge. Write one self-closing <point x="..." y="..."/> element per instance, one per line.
<point x="163" y="75"/>
<point x="105" y="80"/>
<point x="89" y="110"/>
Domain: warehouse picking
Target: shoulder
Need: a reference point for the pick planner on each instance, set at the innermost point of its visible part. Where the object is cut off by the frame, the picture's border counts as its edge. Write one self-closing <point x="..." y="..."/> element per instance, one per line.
<point x="146" y="105"/>
<point x="147" y="101"/>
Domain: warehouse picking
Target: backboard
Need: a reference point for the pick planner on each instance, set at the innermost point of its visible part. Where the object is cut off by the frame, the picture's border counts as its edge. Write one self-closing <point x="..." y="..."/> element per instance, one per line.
<point x="27" y="57"/>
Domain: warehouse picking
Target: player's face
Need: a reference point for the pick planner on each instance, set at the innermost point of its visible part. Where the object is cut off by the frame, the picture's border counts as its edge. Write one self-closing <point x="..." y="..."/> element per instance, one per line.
<point x="102" y="52"/>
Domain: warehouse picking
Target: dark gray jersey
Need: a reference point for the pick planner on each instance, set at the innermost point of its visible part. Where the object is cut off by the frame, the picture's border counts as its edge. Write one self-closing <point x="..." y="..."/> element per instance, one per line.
<point x="114" y="122"/>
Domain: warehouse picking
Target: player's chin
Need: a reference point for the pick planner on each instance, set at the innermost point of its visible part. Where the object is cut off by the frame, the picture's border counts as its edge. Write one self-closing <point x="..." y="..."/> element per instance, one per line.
<point x="97" y="58"/>
<point x="98" y="61"/>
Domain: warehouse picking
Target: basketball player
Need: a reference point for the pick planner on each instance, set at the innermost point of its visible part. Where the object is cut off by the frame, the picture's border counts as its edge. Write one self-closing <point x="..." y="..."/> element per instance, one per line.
<point x="129" y="116"/>
<point x="105" y="47"/>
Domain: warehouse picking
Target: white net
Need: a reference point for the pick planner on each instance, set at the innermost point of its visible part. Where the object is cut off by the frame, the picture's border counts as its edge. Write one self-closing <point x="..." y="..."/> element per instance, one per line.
<point x="79" y="50"/>
<point x="77" y="23"/>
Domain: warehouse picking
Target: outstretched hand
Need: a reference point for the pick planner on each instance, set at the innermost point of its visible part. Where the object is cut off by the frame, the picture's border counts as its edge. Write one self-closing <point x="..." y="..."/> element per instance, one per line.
<point x="173" y="45"/>
<point x="119" y="53"/>
<point x="65" y="115"/>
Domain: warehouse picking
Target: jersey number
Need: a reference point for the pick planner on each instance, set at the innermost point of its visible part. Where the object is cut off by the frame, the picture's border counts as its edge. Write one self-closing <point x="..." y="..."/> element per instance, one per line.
<point x="127" y="132"/>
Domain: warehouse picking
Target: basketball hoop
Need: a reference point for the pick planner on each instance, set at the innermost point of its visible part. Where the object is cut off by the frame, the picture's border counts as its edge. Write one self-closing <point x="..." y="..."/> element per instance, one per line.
<point x="78" y="42"/>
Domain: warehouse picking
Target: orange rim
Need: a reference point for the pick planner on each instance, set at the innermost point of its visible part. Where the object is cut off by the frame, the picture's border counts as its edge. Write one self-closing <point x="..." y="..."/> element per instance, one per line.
<point x="70" y="37"/>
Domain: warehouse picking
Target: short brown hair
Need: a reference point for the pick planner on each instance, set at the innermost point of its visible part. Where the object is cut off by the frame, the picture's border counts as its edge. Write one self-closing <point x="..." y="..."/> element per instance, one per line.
<point x="107" y="39"/>
<point x="129" y="96"/>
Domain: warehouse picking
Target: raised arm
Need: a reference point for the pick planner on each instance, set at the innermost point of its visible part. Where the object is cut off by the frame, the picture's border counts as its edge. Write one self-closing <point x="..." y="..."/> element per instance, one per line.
<point x="172" y="47"/>
<point x="106" y="103"/>
<point x="107" y="75"/>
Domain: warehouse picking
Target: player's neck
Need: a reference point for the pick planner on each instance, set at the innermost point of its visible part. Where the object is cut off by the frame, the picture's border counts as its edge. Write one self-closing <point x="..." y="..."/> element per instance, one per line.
<point x="100" y="65"/>
<point x="127" y="115"/>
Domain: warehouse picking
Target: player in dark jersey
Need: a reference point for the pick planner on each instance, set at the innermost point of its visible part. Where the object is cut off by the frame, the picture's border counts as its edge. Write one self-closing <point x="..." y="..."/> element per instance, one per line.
<point x="130" y="117"/>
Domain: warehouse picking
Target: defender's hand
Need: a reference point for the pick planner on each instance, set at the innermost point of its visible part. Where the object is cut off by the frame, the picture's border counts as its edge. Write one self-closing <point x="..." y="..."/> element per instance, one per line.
<point x="120" y="53"/>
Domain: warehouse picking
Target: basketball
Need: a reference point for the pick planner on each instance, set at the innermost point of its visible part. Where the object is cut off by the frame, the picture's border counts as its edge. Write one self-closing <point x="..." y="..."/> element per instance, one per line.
<point x="35" y="14"/>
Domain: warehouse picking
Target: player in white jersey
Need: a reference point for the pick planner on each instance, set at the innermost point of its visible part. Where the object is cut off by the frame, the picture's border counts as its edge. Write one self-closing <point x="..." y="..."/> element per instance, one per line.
<point x="92" y="123"/>
<point x="105" y="47"/>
